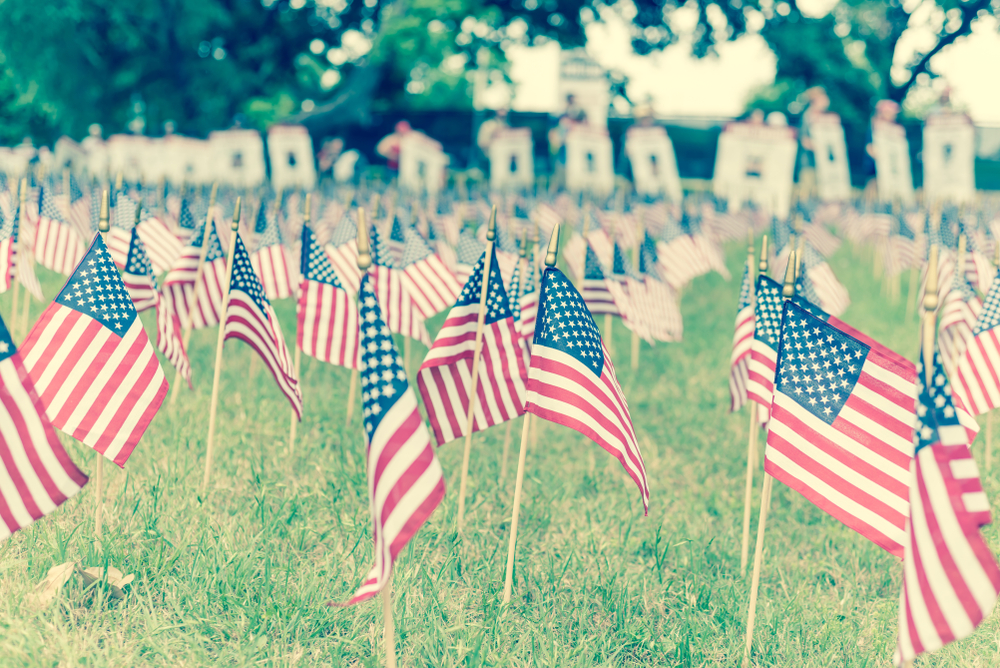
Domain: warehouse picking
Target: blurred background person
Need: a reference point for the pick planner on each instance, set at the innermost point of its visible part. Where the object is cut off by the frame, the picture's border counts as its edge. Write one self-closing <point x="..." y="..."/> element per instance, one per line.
<point x="388" y="146"/>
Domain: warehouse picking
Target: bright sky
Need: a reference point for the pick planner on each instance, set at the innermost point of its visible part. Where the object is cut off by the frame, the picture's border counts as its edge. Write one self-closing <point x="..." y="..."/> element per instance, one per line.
<point x="684" y="86"/>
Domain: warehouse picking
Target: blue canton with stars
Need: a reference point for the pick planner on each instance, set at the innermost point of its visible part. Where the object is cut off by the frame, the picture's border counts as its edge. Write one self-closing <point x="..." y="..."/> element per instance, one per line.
<point x="138" y="261"/>
<point x="744" y="290"/>
<point x="989" y="316"/>
<point x="214" y="245"/>
<point x="515" y="292"/>
<point x="620" y="265"/>
<point x="8" y="227"/>
<point x="184" y="218"/>
<point x="124" y="216"/>
<point x="271" y="236"/>
<point x="818" y="365"/>
<point x="245" y="279"/>
<point x="468" y="249"/>
<point x="260" y="224"/>
<point x="48" y="208"/>
<point x="529" y="276"/>
<point x="315" y="265"/>
<point x="379" y="249"/>
<point x="565" y="322"/>
<point x="415" y="249"/>
<point x="592" y="269"/>
<point x="935" y="407"/>
<point x="497" y="306"/>
<point x="767" y="312"/>
<point x="383" y="380"/>
<point x="7" y="347"/>
<point x="96" y="290"/>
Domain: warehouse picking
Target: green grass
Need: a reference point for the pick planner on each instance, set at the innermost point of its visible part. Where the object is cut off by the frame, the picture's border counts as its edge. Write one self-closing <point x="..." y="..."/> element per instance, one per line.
<point x="240" y="576"/>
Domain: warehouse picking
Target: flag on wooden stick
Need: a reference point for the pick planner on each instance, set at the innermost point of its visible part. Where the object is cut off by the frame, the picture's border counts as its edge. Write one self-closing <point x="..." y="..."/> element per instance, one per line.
<point x="447" y="369"/>
<point x="950" y="577"/>
<point x="272" y="263"/>
<point x="57" y="245"/>
<point x="978" y="372"/>
<point x="180" y="283"/>
<point x="8" y="249"/>
<point x="572" y="382"/>
<point x="405" y="480"/>
<point x="251" y="319"/>
<point x="739" y="361"/>
<point x="36" y="474"/>
<point x="91" y="362"/>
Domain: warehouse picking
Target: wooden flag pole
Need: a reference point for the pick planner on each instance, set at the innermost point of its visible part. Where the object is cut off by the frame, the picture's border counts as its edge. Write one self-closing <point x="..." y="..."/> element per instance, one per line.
<point x="213" y="406"/>
<point x="294" y="422"/>
<point x="473" y="381"/>
<point x="752" y="406"/>
<point x="189" y="325"/>
<point x="508" y="581"/>
<point x="103" y="226"/>
<point x="788" y="291"/>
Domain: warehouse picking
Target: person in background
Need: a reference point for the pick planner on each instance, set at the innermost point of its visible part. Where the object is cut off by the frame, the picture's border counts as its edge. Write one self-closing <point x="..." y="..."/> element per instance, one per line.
<point x="333" y="159"/>
<point x="490" y="129"/>
<point x="818" y="104"/>
<point x="389" y="145"/>
<point x="329" y="152"/>
<point x="886" y="111"/>
<point x="642" y="115"/>
<point x="572" y="117"/>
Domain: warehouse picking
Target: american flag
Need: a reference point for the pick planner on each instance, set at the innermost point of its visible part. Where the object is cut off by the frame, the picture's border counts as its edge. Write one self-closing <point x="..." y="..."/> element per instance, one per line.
<point x="179" y="285"/>
<point x="57" y="245"/>
<point x="468" y="250"/>
<point x="250" y="318"/>
<point x="841" y="426"/>
<point x="446" y="371"/>
<point x="405" y="480"/>
<point x="79" y="210"/>
<point x="401" y="311"/>
<point x="739" y="361"/>
<point x="950" y="577"/>
<point x="594" y="289"/>
<point x="271" y="260"/>
<point x="122" y="222"/>
<point x="833" y="296"/>
<point x="37" y="473"/>
<point x="396" y="239"/>
<point x="572" y="382"/>
<point x="977" y="378"/>
<point x="140" y="281"/>
<point x="161" y="244"/>
<point x="529" y="301"/>
<point x="342" y="251"/>
<point x="428" y="281"/>
<point x="91" y="362"/>
<point x="8" y="249"/>
<point x="959" y="314"/>
<point x="327" y="314"/>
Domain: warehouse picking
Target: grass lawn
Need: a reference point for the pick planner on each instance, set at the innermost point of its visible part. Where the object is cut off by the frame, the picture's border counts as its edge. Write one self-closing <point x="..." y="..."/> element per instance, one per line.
<point x="240" y="576"/>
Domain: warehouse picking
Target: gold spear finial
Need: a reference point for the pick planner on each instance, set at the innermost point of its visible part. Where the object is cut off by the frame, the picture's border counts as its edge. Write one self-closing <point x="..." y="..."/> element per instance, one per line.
<point x="491" y="230"/>
<point x="213" y="194"/>
<point x="119" y="178"/>
<point x="762" y="267"/>
<point x="103" y="222"/>
<point x="788" y="290"/>
<point x="236" y="213"/>
<point x="364" y="248"/>
<point x="553" y="249"/>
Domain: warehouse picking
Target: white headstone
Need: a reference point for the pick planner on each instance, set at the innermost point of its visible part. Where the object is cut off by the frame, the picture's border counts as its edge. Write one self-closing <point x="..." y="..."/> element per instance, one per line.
<point x="290" y="151"/>
<point x="949" y="159"/>
<point x="892" y="162"/>
<point x="69" y="155"/>
<point x="512" y="164"/>
<point x="654" y="166"/>
<point x="421" y="163"/>
<point x="833" y="175"/>
<point x="583" y="78"/>
<point x="126" y="154"/>
<point x="756" y="163"/>
<point x="238" y="157"/>
<point x="185" y="160"/>
<point x="589" y="165"/>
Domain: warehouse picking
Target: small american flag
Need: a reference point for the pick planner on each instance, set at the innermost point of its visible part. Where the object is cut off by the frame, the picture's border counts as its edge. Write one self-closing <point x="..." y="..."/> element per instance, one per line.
<point x="833" y="296"/>
<point x="91" y="362"/>
<point x="739" y="361"/>
<point x="271" y="260"/>
<point x="529" y="301"/>
<point x="57" y="245"/>
<point x="950" y="577"/>
<point x="8" y="249"/>
<point x="978" y="371"/>
<point x="180" y="281"/>
<point x="841" y="426"/>
<point x="446" y="371"/>
<point x="162" y="246"/>
<point x="250" y="318"/>
<point x="122" y="222"/>
<point x="400" y="310"/>
<point x="342" y="251"/>
<point x="38" y="475"/>
<point x="467" y="251"/>
<point x="594" y="288"/>
<point x="429" y="282"/>
<point x="327" y="314"/>
<point x="572" y="382"/>
<point x="405" y="480"/>
<point x="959" y="314"/>
<point x="140" y="281"/>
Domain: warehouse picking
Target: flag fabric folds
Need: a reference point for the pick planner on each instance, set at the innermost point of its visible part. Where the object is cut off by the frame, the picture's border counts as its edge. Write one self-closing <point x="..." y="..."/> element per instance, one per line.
<point x="91" y="362"/>
<point x="446" y="371"/>
<point x="179" y="284"/>
<point x="327" y="314"/>
<point x="739" y="361"/>
<point x="950" y="577"/>
<point x="57" y="245"/>
<point x="36" y="474"/>
<point x="572" y="382"/>
<point x="272" y="263"/>
<point x="977" y="377"/>
<point x="251" y="319"/>
<point x="405" y="480"/>
<point x="430" y="284"/>
<point x="8" y="249"/>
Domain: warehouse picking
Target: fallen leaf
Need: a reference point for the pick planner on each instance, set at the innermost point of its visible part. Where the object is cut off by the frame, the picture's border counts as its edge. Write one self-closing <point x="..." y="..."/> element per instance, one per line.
<point x="46" y="590"/>
<point x="116" y="580"/>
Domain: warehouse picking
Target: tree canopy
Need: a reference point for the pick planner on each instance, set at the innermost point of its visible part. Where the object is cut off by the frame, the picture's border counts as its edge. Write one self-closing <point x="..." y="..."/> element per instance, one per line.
<point x="204" y="63"/>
